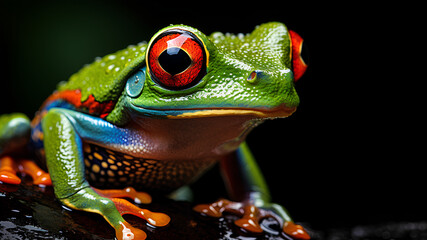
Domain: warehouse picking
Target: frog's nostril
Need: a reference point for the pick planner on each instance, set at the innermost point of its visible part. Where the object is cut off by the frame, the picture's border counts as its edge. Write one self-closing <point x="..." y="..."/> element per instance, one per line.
<point x="253" y="76"/>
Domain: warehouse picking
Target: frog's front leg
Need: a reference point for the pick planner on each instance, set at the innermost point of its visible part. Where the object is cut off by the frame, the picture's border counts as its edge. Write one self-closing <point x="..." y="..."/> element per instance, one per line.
<point x="65" y="161"/>
<point x="245" y="181"/>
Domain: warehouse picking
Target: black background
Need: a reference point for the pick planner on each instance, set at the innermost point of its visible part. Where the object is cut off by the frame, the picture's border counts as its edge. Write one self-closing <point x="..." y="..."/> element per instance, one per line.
<point x="351" y="154"/>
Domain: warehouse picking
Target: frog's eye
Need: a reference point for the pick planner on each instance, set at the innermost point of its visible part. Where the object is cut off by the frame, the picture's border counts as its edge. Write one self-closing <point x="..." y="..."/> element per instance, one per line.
<point x="298" y="51"/>
<point x="176" y="59"/>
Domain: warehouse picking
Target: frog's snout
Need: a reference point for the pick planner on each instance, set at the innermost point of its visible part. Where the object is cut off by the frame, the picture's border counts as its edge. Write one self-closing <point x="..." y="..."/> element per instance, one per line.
<point x="273" y="90"/>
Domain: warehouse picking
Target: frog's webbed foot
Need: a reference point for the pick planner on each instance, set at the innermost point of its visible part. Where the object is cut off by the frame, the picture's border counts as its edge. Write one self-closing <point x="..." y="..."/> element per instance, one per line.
<point x="252" y="216"/>
<point x="125" y="207"/>
<point x="110" y="205"/>
<point x="9" y="168"/>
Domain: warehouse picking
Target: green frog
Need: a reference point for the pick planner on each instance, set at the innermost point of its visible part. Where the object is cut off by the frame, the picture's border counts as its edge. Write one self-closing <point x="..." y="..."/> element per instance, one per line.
<point x="154" y="117"/>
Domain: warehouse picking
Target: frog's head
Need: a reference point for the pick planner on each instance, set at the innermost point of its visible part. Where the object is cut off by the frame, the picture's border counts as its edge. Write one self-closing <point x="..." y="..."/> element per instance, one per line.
<point x="190" y="75"/>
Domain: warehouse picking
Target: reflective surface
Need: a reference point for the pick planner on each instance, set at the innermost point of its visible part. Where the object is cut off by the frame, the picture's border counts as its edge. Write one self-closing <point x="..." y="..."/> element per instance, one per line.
<point x="31" y="212"/>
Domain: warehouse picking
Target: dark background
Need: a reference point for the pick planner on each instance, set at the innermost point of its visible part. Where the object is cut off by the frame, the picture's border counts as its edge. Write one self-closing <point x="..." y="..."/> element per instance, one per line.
<point x="351" y="154"/>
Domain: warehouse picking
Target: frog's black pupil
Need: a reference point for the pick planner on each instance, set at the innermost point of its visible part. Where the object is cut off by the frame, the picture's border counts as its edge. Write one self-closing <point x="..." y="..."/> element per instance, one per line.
<point x="174" y="60"/>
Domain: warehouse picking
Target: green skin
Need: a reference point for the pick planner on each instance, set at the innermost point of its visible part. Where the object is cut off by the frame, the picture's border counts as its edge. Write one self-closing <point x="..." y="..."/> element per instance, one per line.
<point x="224" y="92"/>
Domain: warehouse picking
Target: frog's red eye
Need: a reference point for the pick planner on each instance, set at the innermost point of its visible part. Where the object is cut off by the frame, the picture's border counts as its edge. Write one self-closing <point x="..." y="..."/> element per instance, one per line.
<point x="298" y="51"/>
<point x="176" y="59"/>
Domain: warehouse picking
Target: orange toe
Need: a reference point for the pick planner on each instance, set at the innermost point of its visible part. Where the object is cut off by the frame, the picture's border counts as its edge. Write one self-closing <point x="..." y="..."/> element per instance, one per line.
<point x="43" y="179"/>
<point x="8" y="171"/>
<point x="9" y="177"/>
<point x="127" y="232"/>
<point x="295" y="231"/>
<point x="155" y="218"/>
<point x="138" y="197"/>
<point x="39" y="176"/>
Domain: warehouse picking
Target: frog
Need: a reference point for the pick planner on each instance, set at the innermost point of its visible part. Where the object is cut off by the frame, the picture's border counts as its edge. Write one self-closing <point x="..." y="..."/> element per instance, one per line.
<point x="154" y="117"/>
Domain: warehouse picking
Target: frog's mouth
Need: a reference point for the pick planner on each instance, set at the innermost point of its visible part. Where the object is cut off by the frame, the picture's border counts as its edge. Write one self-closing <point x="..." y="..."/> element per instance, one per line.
<point x="276" y="112"/>
<point x="199" y="113"/>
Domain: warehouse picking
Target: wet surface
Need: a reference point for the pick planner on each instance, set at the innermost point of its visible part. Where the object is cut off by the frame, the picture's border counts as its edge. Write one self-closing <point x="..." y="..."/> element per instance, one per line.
<point x="32" y="212"/>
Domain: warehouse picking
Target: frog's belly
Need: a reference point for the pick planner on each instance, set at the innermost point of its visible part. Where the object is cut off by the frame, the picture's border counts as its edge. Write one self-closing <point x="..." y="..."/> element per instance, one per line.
<point x="110" y="169"/>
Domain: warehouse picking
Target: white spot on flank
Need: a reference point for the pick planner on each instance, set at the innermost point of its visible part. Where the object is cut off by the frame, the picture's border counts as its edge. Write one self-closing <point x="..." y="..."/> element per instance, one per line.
<point x="111" y="67"/>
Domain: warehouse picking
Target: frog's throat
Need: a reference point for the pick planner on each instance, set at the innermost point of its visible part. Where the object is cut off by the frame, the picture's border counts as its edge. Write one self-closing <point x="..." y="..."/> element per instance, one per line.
<point x="276" y="112"/>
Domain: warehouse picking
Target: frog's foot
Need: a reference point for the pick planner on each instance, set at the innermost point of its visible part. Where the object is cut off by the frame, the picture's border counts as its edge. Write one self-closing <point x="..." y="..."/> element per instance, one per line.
<point x="251" y="217"/>
<point x="9" y="168"/>
<point x="125" y="207"/>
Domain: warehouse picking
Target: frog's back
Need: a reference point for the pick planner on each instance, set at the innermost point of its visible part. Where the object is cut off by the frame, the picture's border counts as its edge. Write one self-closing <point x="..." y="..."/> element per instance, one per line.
<point x="94" y="90"/>
<point x="105" y="78"/>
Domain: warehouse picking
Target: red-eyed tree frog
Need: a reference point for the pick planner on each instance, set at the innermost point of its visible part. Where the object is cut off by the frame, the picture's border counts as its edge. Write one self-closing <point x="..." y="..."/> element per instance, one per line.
<point x="154" y="117"/>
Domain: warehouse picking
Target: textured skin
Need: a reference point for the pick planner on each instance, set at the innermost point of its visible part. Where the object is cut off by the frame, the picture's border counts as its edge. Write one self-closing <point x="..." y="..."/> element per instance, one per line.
<point x="63" y="147"/>
<point x="105" y="78"/>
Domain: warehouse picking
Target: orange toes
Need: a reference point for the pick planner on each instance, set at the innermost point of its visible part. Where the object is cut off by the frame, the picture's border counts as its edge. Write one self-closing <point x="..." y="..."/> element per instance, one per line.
<point x="250" y="219"/>
<point x="39" y="176"/>
<point x="213" y="209"/>
<point x="209" y="210"/>
<point x="9" y="167"/>
<point x="129" y="192"/>
<point x="153" y="218"/>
